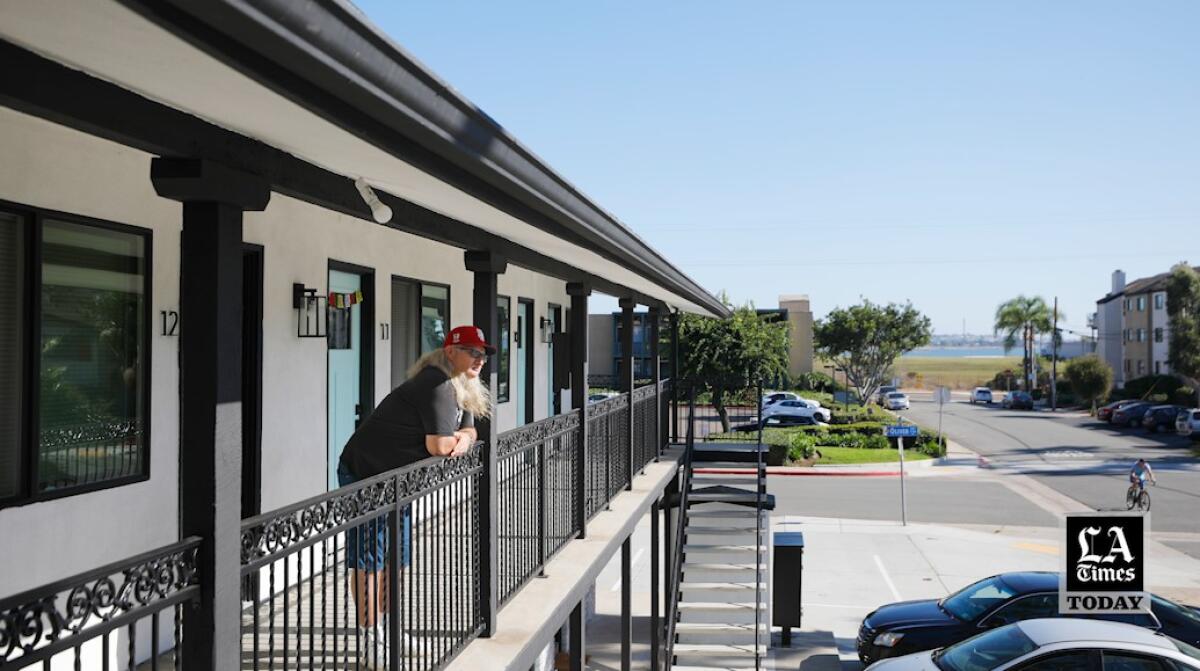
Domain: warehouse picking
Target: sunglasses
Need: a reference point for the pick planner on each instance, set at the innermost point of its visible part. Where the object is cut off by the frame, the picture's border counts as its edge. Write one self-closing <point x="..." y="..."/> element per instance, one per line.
<point x="475" y="353"/>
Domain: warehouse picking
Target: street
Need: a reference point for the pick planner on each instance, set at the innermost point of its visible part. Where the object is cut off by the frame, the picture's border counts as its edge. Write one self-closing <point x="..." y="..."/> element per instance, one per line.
<point x="1078" y="457"/>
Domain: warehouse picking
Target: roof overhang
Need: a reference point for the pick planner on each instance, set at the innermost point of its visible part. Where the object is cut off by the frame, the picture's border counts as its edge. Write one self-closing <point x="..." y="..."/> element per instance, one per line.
<point x="316" y="81"/>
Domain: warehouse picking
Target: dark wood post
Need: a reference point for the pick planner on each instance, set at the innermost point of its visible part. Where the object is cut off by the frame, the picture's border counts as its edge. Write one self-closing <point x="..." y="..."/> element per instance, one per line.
<point x="210" y="361"/>
<point x="656" y="375"/>
<point x="676" y="378"/>
<point x="579" y="293"/>
<point x="655" y="572"/>
<point x="627" y="375"/>
<point x="578" y="652"/>
<point x="487" y="267"/>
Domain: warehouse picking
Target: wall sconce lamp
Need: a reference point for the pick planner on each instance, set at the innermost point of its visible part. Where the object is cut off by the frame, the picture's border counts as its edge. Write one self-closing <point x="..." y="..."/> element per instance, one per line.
<point x="547" y="331"/>
<point x="312" y="316"/>
<point x="381" y="213"/>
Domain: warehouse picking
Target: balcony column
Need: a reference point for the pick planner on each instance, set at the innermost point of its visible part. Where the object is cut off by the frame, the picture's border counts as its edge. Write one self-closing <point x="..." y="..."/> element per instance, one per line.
<point x="655" y="569"/>
<point x="626" y="606"/>
<point x="579" y="293"/>
<point x="487" y="267"/>
<point x="210" y="361"/>
<point x="578" y="632"/>
<point x="676" y="378"/>
<point x="627" y="373"/>
<point x="656" y="375"/>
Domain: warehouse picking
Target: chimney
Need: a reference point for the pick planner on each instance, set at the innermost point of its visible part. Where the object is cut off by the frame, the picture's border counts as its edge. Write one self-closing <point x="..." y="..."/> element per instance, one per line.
<point x="1118" y="281"/>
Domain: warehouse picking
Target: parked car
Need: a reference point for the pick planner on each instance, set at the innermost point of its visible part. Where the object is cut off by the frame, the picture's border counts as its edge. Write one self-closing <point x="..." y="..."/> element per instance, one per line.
<point x="790" y="420"/>
<point x="883" y="392"/>
<point x="896" y="400"/>
<point x="1162" y="418"/>
<point x="601" y="396"/>
<point x="1056" y="644"/>
<point x="909" y="626"/>
<point x="798" y="407"/>
<point x="1017" y="400"/>
<point x="1188" y="422"/>
<point x="981" y="395"/>
<point x="1131" y="415"/>
<point x="1105" y="412"/>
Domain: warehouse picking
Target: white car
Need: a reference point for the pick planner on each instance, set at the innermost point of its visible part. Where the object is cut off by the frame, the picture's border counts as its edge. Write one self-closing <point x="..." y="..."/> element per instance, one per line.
<point x="882" y="393"/>
<point x="1188" y="422"/>
<point x="896" y="400"/>
<point x="770" y="398"/>
<point x="1054" y="644"/>
<point x="799" y="408"/>
<point x="981" y="395"/>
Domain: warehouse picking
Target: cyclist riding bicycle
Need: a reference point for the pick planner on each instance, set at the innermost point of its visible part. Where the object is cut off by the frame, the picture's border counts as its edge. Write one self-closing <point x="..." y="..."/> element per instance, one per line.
<point x="1140" y="472"/>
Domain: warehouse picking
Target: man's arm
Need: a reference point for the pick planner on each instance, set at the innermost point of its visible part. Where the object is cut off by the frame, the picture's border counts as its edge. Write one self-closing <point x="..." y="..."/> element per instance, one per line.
<point x="441" y="446"/>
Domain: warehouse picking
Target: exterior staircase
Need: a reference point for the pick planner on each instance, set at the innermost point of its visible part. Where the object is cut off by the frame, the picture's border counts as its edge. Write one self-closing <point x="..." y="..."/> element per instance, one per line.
<point x="722" y="614"/>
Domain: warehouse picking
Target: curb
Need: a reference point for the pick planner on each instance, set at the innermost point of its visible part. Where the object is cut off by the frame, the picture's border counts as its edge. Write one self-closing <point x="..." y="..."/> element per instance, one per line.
<point x="801" y="471"/>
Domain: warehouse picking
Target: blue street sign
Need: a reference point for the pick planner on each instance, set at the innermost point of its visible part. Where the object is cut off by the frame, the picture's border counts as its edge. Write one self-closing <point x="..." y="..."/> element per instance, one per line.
<point x="902" y="431"/>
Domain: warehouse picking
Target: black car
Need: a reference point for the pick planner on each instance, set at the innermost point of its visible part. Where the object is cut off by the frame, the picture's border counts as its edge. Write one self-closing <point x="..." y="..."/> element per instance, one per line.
<point x="912" y="626"/>
<point x="1131" y="415"/>
<point x="1162" y="418"/>
<point x="1018" y="400"/>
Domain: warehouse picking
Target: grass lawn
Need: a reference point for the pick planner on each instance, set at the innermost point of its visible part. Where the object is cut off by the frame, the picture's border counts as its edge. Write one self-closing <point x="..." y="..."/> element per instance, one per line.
<point x="855" y="455"/>
<point x="954" y="372"/>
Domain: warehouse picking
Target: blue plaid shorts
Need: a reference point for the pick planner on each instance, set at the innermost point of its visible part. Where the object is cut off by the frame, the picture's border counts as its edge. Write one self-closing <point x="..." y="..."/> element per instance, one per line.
<point x="367" y="544"/>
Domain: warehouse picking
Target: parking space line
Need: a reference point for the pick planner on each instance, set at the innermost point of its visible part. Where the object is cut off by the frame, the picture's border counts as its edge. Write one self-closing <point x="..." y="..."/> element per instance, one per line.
<point x="1037" y="547"/>
<point x="632" y="564"/>
<point x="888" y="579"/>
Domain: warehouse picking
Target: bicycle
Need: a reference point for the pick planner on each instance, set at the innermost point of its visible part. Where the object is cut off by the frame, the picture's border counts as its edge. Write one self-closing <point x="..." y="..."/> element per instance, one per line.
<point x="1137" y="497"/>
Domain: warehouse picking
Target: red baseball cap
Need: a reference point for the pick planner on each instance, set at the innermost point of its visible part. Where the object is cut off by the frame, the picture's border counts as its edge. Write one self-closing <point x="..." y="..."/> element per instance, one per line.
<point x="468" y="336"/>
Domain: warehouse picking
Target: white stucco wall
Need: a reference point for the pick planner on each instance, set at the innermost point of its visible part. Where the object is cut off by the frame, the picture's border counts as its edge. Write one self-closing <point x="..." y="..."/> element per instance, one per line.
<point x="53" y="167"/>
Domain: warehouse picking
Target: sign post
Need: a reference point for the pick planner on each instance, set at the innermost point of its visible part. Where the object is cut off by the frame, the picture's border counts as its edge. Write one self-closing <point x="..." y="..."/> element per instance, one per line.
<point x="900" y="432"/>
<point x="943" y="397"/>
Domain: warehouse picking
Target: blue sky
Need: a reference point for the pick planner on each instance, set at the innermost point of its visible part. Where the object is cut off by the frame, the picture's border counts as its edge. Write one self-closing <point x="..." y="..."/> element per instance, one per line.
<point x="953" y="154"/>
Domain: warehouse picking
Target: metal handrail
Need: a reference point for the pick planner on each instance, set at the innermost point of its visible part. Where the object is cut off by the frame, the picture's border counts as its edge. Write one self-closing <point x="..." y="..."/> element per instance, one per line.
<point x="759" y="493"/>
<point x="685" y="482"/>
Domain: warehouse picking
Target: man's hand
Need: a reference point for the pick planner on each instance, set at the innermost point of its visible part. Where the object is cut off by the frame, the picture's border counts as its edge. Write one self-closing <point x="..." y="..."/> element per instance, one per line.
<point x="463" y="445"/>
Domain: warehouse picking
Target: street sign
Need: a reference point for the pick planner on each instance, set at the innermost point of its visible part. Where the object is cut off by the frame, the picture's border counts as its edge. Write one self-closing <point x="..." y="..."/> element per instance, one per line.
<point x="902" y="431"/>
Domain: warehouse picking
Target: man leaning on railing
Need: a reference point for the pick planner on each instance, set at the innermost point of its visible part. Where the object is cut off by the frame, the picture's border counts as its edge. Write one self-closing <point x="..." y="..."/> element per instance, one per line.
<point x="432" y="413"/>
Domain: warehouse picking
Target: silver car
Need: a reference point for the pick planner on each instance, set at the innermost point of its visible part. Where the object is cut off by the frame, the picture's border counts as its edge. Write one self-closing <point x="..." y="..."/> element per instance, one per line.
<point x="1188" y="422"/>
<point x="1053" y="644"/>
<point x="896" y="400"/>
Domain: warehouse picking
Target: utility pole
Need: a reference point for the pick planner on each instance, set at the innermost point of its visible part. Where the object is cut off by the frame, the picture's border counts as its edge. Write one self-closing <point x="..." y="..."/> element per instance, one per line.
<point x="1054" y="360"/>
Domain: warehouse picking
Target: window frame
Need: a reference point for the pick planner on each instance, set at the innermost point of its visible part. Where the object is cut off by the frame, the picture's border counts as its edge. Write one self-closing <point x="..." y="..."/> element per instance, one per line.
<point x="421" y="284"/>
<point x="504" y="350"/>
<point x="31" y="334"/>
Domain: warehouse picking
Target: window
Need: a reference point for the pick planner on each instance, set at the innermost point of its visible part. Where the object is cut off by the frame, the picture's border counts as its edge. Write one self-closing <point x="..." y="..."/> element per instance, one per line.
<point x="1128" y="366"/>
<point x="1160" y="301"/>
<point x="503" y="310"/>
<point x="1141" y="335"/>
<point x="1141" y="367"/>
<point x="1141" y="303"/>
<point x="1158" y="368"/>
<point x="1126" y="335"/>
<point x="420" y="321"/>
<point x="1038" y="605"/>
<point x="1073" y="660"/>
<point x="75" y="297"/>
<point x="435" y="315"/>
<point x="1126" y="306"/>
<point x="1120" y="661"/>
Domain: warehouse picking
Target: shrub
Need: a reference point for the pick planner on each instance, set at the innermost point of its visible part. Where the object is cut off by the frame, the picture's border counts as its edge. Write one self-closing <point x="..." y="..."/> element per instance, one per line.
<point x="1144" y="387"/>
<point x="1184" y="396"/>
<point x="815" y="381"/>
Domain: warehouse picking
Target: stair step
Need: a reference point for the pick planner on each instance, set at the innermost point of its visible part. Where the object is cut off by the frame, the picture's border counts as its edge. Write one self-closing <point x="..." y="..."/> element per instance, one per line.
<point x="722" y="568"/>
<point x="716" y="650"/>
<point x="708" y="479"/>
<point x="719" y="586"/>
<point x="717" y="606"/>
<point x="716" y="628"/>
<point x="698" y="529"/>
<point x="701" y="513"/>
<point x="706" y="548"/>
<point x="737" y="496"/>
<point x="722" y="667"/>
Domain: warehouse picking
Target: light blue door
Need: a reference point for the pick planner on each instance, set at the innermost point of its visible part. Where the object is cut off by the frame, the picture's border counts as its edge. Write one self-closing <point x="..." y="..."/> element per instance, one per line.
<point x="523" y="310"/>
<point x="344" y="374"/>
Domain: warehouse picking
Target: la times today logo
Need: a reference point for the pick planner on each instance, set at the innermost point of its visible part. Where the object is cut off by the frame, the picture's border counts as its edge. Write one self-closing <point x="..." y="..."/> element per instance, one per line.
<point x="1104" y="563"/>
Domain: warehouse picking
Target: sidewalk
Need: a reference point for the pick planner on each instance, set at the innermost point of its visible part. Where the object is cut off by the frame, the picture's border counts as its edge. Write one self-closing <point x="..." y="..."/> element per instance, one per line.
<point x="852" y="567"/>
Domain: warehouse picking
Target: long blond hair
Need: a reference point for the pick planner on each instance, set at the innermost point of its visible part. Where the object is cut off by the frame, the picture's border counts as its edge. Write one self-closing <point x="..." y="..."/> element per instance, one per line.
<point x="469" y="392"/>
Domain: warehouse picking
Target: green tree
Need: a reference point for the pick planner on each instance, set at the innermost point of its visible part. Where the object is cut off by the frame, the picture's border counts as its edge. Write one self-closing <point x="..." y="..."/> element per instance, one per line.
<point x="1183" y="308"/>
<point x="865" y="340"/>
<point x="1090" y="378"/>
<point x="724" y="355"/>
<point x="1027" y="316"/>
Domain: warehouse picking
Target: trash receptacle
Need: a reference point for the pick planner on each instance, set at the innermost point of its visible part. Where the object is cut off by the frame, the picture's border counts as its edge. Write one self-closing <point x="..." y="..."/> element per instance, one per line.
<point x="788" y="566"/>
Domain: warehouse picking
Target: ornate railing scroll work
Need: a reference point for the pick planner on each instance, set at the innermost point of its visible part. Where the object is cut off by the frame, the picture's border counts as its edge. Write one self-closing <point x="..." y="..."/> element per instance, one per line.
<point x="122" y="598"/>
<point x="608" y="444"/>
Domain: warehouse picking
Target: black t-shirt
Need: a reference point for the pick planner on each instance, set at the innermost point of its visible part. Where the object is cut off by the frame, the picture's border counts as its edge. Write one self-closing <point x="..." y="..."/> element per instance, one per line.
<point x="394" y="434"/>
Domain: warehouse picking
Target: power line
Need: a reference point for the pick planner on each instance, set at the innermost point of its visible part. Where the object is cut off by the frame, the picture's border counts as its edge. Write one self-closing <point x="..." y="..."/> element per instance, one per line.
<point x="924" y="260"/>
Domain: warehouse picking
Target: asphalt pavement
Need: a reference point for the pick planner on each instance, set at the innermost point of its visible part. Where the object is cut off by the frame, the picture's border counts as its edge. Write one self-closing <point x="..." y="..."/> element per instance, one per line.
<point x="1079" y="457"/>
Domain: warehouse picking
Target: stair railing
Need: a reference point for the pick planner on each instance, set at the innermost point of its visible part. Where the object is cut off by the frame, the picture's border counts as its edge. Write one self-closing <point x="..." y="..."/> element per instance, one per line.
<point x="676" y="573"/>
<point x="760" y="491"/>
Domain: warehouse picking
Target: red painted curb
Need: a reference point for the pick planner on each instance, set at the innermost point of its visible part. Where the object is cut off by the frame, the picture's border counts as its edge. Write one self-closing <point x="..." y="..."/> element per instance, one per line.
<point x="813" y="473"/>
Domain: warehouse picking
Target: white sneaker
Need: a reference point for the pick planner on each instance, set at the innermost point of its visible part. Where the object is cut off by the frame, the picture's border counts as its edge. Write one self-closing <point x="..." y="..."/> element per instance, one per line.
<point x="373" y="654"/>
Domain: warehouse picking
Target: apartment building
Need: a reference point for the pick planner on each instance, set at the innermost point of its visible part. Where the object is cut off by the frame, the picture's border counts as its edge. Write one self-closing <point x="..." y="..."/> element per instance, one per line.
<point x="1133" y="328"/>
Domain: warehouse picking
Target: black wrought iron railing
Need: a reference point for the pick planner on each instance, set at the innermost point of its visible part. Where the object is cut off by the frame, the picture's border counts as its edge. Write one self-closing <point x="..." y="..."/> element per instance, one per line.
<point x="645" y="448"/>
<point x="98" y="451"/>
<point x="607" y="454"/>
<point x="114" y="617"/>
<point x="675" y="561"/>
<point x="537" y="496"/>
<point x="383" y="573"/>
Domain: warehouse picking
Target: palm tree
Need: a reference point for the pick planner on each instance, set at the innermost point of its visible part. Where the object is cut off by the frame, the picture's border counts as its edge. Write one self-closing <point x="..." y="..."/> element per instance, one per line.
<point x="1029" y="316"/>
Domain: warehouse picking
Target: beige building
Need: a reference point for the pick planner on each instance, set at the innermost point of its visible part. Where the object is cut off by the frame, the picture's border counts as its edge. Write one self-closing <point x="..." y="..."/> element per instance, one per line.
<point x="799" y="316"/>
